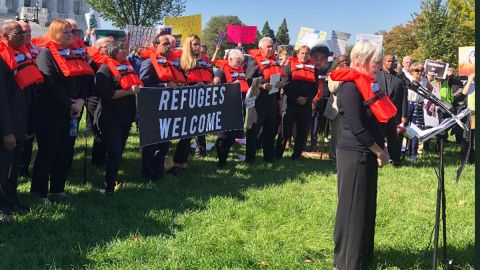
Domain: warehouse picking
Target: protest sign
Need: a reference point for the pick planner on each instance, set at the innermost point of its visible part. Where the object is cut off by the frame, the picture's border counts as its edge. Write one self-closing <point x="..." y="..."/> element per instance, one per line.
<point x="437" y="69"/>
<point x="284" y="51"/>
<point x="339" y="40"/>
<point x="322" y="35"/>
<point x="93" y="19"/>
<point x="185" y="26"/>
<point x="140" y="36"/>
<point x="466" y="61"/>
<point x="101" y="33"/>
<point x="241" y="34"/>
<point x="300" y="37"/>
<point x="167" y="114"/>
<point x="164" y="29"/>
<point x="378" y="39"/>
<point x="219" y="39"/>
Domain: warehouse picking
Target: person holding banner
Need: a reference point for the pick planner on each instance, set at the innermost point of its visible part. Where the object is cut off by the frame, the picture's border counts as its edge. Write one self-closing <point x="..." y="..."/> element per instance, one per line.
<point x="265" y="65"/>
<point x="198" y="71"/>
<point x="360" y="151"/>
<point x="232" y="72"/>
<point x="160" y="70"/>
<point x="116" y="85"/>
<point x="59" y="105"/>
<point x="300" y="88"/>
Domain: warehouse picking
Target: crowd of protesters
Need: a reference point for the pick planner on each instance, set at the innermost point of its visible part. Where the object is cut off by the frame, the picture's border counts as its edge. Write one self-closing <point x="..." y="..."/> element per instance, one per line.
<point x="47" y="81"/>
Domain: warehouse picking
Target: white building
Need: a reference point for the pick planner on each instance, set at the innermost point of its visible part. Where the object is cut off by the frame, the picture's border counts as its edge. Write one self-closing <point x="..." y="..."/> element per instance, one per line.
<point x="48" y="10"/>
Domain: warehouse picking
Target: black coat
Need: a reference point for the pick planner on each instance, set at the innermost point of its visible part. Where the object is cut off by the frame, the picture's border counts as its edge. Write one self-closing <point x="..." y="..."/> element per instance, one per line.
<point x="395" y="90"/>
<point x="15" y="104"/>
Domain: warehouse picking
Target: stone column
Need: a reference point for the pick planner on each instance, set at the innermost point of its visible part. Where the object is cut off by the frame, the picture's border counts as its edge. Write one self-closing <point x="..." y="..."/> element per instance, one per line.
<point x="3" y="7"/>
<point x="52" y="9"/>
<point x="70" y="12"/>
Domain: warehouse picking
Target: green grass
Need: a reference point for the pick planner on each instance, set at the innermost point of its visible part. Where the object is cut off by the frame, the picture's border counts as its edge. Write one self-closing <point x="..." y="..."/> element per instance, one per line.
<point x="278" y="216"/>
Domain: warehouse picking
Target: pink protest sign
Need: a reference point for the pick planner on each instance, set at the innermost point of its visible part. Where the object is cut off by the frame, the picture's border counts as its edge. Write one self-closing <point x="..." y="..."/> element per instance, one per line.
<point x="241" y="34"/>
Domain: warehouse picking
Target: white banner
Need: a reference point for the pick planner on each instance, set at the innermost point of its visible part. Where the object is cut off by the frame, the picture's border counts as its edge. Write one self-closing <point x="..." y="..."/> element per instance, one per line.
<point x="340" y="40"/>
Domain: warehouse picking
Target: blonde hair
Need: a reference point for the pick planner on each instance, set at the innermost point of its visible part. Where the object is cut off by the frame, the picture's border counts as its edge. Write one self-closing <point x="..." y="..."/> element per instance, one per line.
<point x="414" y="66"/>
<point x="189" y="61"/>
<point x="304" y="47"/>
<point x="56" y="29"/>
<point x="365" y="52"/>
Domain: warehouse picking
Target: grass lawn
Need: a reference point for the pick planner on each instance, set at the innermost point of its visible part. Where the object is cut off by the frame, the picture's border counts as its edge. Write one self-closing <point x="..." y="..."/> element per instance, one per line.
<point x="278" y="216"/>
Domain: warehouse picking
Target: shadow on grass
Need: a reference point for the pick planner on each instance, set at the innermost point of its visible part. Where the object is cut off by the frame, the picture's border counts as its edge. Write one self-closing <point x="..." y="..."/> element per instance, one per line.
<point x="61" y="235"/>
<point x="387" y="258"/>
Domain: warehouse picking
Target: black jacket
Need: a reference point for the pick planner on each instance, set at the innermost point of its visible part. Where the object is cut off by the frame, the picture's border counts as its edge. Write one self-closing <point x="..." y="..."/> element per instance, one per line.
<point x="395" y="90"/>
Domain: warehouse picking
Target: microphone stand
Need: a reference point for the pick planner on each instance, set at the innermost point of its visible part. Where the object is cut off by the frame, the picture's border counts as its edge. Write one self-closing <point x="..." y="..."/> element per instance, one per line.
<point x="441" y="202"/>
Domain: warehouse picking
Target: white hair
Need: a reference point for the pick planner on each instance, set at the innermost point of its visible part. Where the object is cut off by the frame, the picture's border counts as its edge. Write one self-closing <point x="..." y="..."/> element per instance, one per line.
<point x="262" y="41"/>
<point x="235" y="53"/>
<point x="366" y="51"/>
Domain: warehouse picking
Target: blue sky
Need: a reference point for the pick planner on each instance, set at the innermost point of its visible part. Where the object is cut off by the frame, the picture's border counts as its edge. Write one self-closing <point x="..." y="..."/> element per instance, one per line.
<point x="343" y="15"/>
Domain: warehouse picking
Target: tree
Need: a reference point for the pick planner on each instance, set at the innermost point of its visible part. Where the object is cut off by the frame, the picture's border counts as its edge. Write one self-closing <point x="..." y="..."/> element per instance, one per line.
<point x="214" y="27"/>
<point x="267" y="31"/>
<point x="401" y="40"/>
<point x="282" y="34"/>
<point x="464" y="11"/>
<point x="436" y="32"/>
<point x="137" y="12"/>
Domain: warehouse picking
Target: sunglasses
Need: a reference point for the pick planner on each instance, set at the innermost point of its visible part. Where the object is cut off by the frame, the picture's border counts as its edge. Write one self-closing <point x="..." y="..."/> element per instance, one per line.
<point x="418" y="70"/>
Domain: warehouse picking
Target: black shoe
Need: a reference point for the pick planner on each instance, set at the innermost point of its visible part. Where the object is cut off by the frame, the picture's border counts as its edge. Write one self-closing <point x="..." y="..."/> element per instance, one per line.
<point x="174" y="171"/>
<point x="109" y="191"/>
<point x="222" y="163"/>
<point x="24" y="173"/>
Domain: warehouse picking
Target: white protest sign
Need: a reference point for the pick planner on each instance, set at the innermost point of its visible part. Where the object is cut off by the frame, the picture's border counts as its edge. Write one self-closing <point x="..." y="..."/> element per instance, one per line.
<point x="140" y="36"/>
<point x="339" y="40"/>
<point x="378" y="39"/>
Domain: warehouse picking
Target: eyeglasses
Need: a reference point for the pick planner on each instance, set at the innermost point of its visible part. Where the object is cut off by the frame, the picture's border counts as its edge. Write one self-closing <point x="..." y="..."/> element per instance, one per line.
<point x="418" y="70"/>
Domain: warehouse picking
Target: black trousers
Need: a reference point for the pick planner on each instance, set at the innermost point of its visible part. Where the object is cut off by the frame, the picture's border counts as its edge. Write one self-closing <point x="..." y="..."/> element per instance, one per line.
<point x="201" y="145"/>
<point x="114" y="135"/>
<point x="9" y="170"/>
<point x="183" y="151"/>
<point x="98" y="148"/>
<point x="267" y="122"/>
<point x="300" y="115"/>
<point x="319" y="122"/>
<point x="394" y="141"/>
<point x="357" y="175"/>
<point x="27" y="151"/>
<point x="153" y="160"/>
<point x="54" y="151"/>
<point x="224" y="143"/>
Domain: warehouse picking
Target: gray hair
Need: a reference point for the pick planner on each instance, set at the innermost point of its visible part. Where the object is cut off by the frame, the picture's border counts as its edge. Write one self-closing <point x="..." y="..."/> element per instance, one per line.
<point x="101" y="42"/>
<point x="113" y="48"/>
<point x="235" y="53"/>
<point x="366" y="51"/>
<point x="262" y="41"/>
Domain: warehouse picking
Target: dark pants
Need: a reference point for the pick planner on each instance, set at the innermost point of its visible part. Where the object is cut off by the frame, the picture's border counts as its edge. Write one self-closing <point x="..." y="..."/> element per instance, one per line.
<point x="300" y="115"/>
<point x="357" y="174"/>
<point x="201" y="145"/>
<point x="54" y="152"/>
<point x="26" y="158"/>
<point x="394" y="141"/>
<point x="153" y="160"/>
<point x="224" y="143"/>
<point x="9" y="170"/>
<point x="183" y="151"/>
<point x="267" y="122"/>
<point x="319" y="122"/>
<point x="115" y="136"/>
<point x="98" y="148"/>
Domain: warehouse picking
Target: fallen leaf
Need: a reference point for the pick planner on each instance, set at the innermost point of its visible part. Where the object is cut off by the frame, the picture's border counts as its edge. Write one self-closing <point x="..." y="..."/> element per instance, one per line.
<point x="307" y="261"/>
<point x="263" y="264"/>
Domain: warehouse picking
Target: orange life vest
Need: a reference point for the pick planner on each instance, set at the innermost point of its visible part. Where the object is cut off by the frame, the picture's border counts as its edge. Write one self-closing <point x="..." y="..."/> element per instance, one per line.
<point x="220" y="63"/>
<point x="203" y="72"/>
<point x="72" y="61"/>
<point x="167" y="70"/>
<point x="145" y="53"/>
<point x="380" y="105"/>
<point x="268" y="67"/>
<point x="96" y="56"/>
<point x="302" y="71"/>
<point x="123" y="74"/>
<point x="232" y="75"/>
<point x="21" y="63"/>
<point x="34" y="50"/>
<point x="176" y="53"/>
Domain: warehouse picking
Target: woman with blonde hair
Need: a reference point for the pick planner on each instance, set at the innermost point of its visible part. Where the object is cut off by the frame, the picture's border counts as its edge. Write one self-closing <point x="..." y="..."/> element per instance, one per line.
<point x="360" y="151"/>
<point x="58" y="108"/>
<point x="198" y="71"/>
